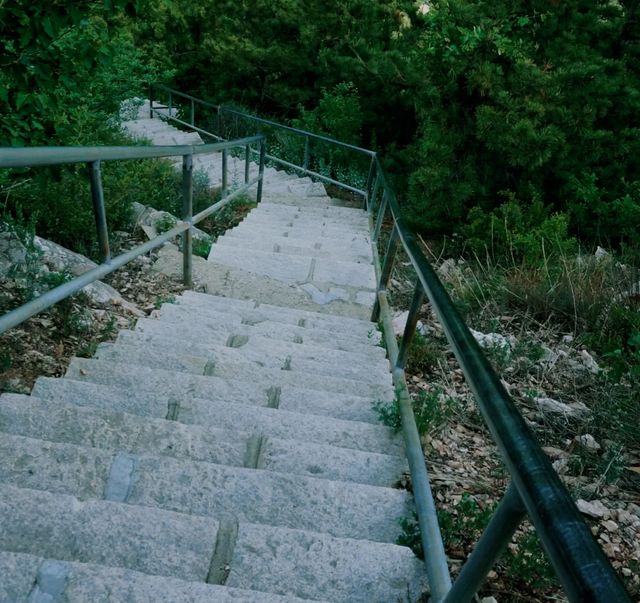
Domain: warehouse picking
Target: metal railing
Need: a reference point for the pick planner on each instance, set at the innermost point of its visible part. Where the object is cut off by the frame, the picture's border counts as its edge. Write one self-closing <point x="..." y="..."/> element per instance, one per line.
<point x="536" y="490"/>
<point x="93" y="156"/>
<point x="223" y="123"/>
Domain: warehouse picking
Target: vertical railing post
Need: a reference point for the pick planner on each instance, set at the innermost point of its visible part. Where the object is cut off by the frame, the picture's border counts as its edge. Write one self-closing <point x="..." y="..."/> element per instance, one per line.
<point x="170" y="105"/>
<point x="372" y="199"/>
<point x="187" y="215"/>
<point x="504" y="522"/>
<point x="372" y="168"/>
<point x="410" y="327"/>
<point x="247" y="162"/>
<point x="224" y="172"/>
<point x="305" y="161"/>
<point x="385" y="273"/>
<point x="380" y="220"/>
<point x="219" y="122"/>
<point x="97" y="197"/>
<point x="193" y="112"/>
<point x="263" y="152"/>
<point x="150" y="101"/>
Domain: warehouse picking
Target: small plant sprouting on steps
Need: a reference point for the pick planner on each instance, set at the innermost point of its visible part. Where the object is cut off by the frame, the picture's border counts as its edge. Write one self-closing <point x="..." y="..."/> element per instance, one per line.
<point x="389" y="413"/>
<point x="432" y="411"/>
<point x="164" y="299"/>
<point x="201" y="247"/>
<point x="166" y="223"/>
<point x="410" y="536"/>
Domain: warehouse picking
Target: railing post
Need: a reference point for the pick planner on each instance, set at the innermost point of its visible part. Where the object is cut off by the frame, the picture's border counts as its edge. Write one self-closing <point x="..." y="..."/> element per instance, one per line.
<point x="374" y="194"/>
<point x="247" y="162"/>
<point x="187" y="214"/>
<point x="219" y="122"/>
<point x="150" y="101"/>
<point x="305" y="161"/>
<point x="170" y="105"/>
<point x="224" y="172"/>
<point x="97" y="197"/>
<point x="263" y="152"/>
<point x="193" y="112"/>
<point x="385" y="273"/>
<point x="381" y="213"/>
<point x="367" y="187"/>
<point x="505" y="521"/>
<point x="410" y="327"/>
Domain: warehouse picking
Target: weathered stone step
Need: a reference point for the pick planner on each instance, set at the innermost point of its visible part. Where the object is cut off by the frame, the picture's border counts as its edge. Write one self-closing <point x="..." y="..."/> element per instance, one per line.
<point x="118" y="432"/>
<point x="229" y="410"/>
<point x="334" y="211"/>
<point x="102" y="427"/>
<point x="149" y="540"/>
<point x="314" y="249"/>
<point x="296" y="269"/>
<point x="299" y="220"/>
<point x="315" y="566"/>
<point x="341" y="509"/>
<point x="254" y="311"/>
<point x="298" y="356"/>
<point x="207" y="359"/>
<point x="342" y="238"/>
<point x="355" y="243"/>
<point x="363" y="341"/>
<point x="233" y="371"/>
<point x="264" y="346"/>
<point x="37" y="580"/>
<point x="175" y="320"/>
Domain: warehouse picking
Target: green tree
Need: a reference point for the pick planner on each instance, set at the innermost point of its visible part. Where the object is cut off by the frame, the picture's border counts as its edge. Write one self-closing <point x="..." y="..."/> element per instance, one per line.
<point x="54" y="59"/>
<point x="536" y="100"/>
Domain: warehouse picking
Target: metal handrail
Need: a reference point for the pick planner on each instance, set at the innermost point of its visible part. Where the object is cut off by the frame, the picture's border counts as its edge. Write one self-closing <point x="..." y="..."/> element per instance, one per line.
<point x="93" y="156"/>
<point x="535" y="490"/>
<point x="222" y="110"/>
<point x="577" y="559"/>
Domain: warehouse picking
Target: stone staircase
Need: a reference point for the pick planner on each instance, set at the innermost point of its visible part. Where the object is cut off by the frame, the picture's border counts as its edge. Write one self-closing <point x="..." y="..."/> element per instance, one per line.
<point x="225" y="449"/>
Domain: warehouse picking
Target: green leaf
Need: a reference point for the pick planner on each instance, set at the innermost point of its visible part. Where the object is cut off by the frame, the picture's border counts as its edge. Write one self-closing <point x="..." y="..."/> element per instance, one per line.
<point x="46" y="24"/>
<point x="21" y="98"/>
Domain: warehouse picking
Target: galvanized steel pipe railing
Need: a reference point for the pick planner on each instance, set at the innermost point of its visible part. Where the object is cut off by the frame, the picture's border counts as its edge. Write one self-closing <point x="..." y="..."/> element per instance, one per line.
<point x="166" y="112"/>
<point x="580" y="564"/>
<point x="536" y="489"/>
<point x="93" y="156"/>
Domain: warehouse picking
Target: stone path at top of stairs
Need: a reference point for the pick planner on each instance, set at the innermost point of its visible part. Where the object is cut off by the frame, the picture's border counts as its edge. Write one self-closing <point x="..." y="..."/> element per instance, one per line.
<point x="224" y="449"/>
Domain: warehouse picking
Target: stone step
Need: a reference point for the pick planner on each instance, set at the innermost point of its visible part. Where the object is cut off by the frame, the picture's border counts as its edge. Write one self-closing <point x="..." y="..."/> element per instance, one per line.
<point x="62" y="422"/>
<point x="224" y="280"/>
<point x="294" y="269"/>
<point x="175" y="320"/>
<point x="38" y="580"/>
<point x="221" y="361"/>
<point x="324" y="236"/>
<point x="255" y="312"/>
<point x="343" y="237"/>
<point x="284" y="419"/>
<point x="119" y="432"/>
<point x="233" y="371"/>
<point x="346" y="213"/>
<point x="317" y="566"/>
<point x="300" y="220"/>
<point x="310" y="249"/>
<point x="338" y="508"/>
<point x="340" y="364"/>
<point x="102" y="427"/>
<point x="358" y="249"/>
<point x="145" y="539"/>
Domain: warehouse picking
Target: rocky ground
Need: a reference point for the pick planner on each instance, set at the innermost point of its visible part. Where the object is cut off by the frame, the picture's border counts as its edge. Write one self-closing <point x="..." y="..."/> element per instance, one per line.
<point x="563" y="394"/>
